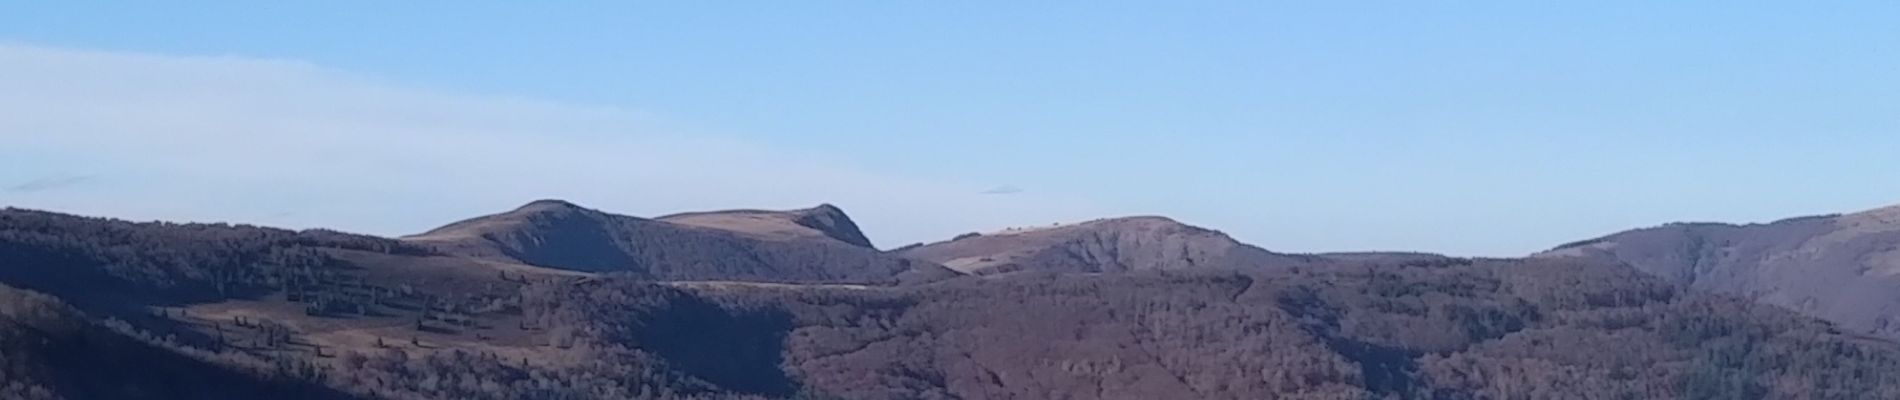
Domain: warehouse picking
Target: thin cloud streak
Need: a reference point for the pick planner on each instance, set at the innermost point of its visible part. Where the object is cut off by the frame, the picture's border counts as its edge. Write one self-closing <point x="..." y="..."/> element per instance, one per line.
<point x="1003" y="190"/>
<point x="224" y="138"/>
<point x="50" y="183"/>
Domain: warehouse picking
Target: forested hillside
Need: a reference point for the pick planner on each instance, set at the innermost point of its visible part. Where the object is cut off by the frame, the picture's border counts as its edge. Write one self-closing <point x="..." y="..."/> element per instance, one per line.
<point x="1836" y="267"/>
<point x="1447" y="330"/>
<point x="201" y="311"/>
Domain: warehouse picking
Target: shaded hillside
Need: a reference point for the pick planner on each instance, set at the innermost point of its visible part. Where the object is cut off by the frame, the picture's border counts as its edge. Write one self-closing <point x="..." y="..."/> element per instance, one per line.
<point x="51" y="351"/>
<point x="558" y="234"/>
<point x="1842" y="268"/>
<point x="1106" y="245"/>
<point x="119" y="262"/>
<point x="818" y="223"/>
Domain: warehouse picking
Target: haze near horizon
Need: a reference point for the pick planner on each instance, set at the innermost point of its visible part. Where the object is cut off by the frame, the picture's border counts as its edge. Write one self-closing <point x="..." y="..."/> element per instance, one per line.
<point x="1476" y="129"/>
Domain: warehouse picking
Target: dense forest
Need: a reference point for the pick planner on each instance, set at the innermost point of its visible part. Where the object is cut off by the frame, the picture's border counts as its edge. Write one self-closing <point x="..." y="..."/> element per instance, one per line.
<point x="1441" y="330"/>
<point x="105" y="309"/>
<point x="148" y="263"/>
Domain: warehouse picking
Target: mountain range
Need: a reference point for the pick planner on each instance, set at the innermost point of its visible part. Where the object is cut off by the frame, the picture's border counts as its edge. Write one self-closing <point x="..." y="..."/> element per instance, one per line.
<point x="553" y="300"/>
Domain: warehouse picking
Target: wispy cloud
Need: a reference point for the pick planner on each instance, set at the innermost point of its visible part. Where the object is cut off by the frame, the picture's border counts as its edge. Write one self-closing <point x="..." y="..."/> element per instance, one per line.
<point x="219" y="138"/>
<point x="1005" y="189"/>
<point x="50" y="183"/>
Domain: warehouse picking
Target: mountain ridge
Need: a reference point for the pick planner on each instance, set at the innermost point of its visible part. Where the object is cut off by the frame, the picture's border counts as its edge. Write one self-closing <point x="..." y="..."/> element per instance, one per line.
<point x="707" y="245"/>
<point x="1840" y="267"/>
<point x="1142" y="242"/>
<point x="824" y="220"/>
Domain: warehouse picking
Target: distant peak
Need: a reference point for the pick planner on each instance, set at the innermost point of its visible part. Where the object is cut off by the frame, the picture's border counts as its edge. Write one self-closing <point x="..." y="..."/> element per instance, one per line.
<point x="822" y="210"/>
<point x="1145" y="219"/>
<point x="1160" y="223"/>
<point x="1140" y="222"/>
<point x="1152" y="223"/>
<point x="549" y="205"/>
<point x="833" y="222"/>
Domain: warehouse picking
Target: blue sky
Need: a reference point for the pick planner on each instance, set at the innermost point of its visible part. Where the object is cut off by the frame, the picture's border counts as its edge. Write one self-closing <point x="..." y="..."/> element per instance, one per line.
<point x="1472" y="128"/>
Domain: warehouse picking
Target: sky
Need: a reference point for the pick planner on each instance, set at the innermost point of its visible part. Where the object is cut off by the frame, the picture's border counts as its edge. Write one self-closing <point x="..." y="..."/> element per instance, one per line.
<point x="1460" y="127"/>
